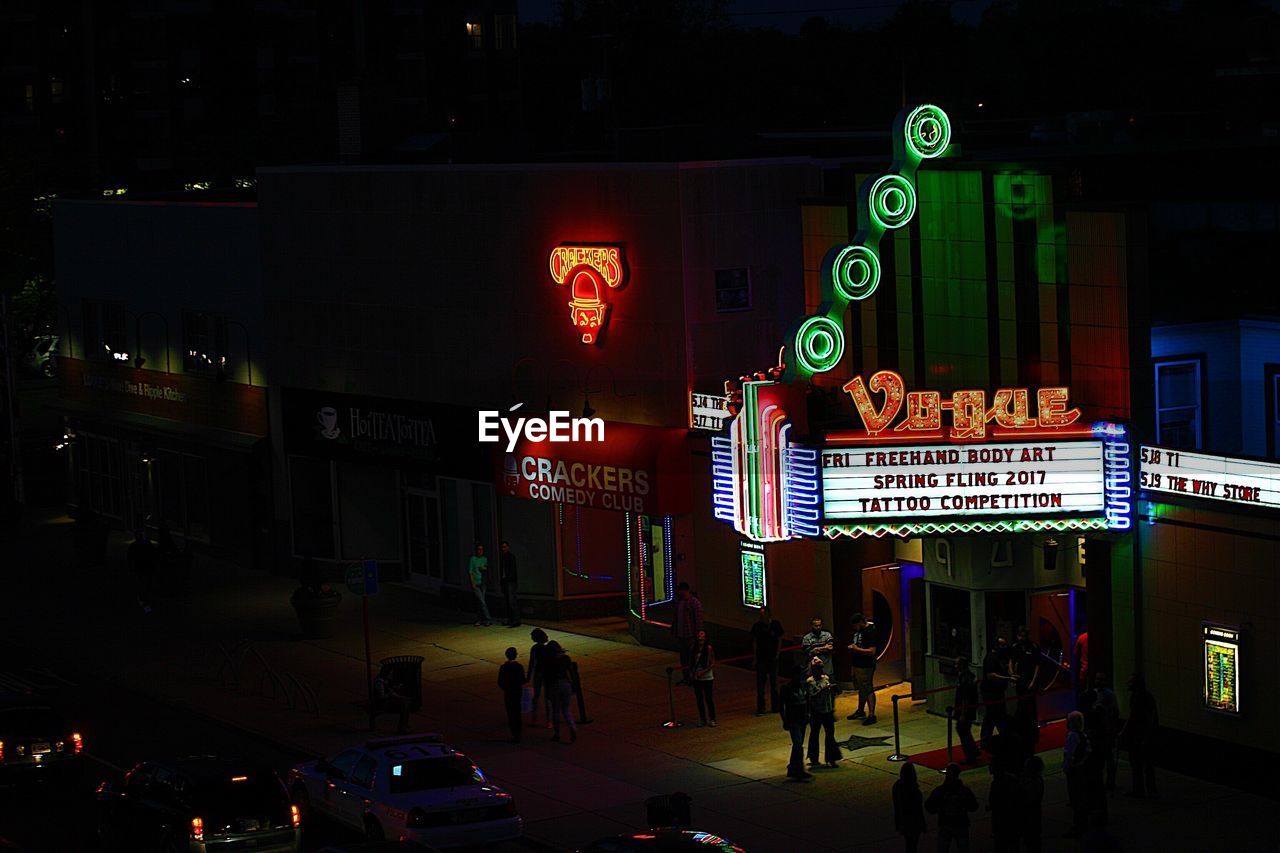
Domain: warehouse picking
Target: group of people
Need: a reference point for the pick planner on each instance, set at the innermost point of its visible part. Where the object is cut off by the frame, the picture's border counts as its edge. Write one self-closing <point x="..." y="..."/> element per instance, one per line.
<point x="551" y="682"/>
<point x="508" y="578"/>
<point x="1015" y="802"/>
<point x="146" y="558"/>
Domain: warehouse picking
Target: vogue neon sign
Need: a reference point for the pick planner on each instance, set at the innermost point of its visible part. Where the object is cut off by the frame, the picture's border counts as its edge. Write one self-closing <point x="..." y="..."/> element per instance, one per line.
<point x="590" y="272"/>
<point x="1009" y="409"/>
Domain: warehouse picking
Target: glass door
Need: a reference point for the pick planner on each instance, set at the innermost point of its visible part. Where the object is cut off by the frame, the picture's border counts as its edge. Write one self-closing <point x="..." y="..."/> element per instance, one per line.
<point x="422" y="537"/>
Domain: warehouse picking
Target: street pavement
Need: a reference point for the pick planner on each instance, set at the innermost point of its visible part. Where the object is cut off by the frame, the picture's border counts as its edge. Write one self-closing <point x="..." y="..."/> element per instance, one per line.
<point x="234" y="621"/>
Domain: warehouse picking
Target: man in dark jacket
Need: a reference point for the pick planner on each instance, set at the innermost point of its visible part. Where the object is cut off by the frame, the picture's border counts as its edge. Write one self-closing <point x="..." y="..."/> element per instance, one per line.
<point x="511" y="681"/>
<point x="1139" y="734"/>
<point x="952" y="802"/>
<point x="793" y="707"/>
<point x="966" y="708"/>
<point x="509" y="578"/>
<point x="143" y="559"/>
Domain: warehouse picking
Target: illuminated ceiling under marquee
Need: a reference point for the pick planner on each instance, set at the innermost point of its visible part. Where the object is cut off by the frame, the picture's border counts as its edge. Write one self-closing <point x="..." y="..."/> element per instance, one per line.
<point x="589" y="271"/>
<point x="885" y="203"/>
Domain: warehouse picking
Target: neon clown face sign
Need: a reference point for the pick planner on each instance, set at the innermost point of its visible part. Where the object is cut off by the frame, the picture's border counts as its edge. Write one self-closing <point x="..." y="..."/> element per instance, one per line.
<point x="590" y="272"/>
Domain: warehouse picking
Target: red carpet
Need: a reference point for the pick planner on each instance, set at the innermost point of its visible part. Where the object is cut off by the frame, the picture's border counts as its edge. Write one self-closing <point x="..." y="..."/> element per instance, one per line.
<point x="1052" y="737"/>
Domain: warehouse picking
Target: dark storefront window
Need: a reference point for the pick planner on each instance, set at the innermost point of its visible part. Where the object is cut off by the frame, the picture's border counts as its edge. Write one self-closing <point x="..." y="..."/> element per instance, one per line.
<point x="311" y="485"/>
<point x="196" y="489"/>
<point x="733" y="289"/>
<point x="99" y="460"/>
<point x="105" y="331"/>
<point x="949" y="620"/>
<point x="204" y="342"/>
<point x="182" y="484"/>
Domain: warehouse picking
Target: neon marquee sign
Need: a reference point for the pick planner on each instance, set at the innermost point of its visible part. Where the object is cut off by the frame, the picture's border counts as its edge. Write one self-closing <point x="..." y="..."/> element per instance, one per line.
<point x="968" y="410"/>
<point x="590" y="272"/>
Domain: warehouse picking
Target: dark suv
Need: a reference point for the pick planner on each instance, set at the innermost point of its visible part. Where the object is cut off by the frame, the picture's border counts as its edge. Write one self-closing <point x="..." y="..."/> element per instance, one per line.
<point x="35" y="744"/>
<point x="201" y="805"/>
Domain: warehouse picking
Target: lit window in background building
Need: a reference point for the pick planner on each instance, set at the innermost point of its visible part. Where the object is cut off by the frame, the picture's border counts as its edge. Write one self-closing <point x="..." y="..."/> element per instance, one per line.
<point x="1178" y="402"/>
<point x="204" y="342"/>
<point x="476" y="33"/>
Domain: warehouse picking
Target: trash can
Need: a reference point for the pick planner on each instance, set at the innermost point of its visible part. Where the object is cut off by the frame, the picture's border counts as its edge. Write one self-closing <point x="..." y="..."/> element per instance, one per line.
<point x="405" y="671"/>
<point x="669" y="810"/>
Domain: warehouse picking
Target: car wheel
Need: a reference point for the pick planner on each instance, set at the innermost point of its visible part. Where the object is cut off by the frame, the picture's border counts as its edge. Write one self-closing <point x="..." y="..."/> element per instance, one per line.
<point x="373" y="830"/>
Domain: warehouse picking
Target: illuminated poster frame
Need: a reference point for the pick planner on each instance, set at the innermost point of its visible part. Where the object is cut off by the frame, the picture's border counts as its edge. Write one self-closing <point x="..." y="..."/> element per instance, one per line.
<point x="754" y="578"/>
<point x="1221" y="668"/>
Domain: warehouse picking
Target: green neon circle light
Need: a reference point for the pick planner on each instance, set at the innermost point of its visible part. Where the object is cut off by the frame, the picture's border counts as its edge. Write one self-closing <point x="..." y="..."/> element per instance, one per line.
<point x="819" y="344"/>
<point x="855" y="272"/>
<point x="892" y="201"/>
<point x="927" y="132"/>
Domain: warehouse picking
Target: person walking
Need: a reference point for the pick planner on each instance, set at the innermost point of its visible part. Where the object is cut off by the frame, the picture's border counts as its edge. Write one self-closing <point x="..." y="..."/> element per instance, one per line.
<point x="685" y="626"/>
<point x="908" y="807"/>
<point x="966" y="708"/>
<point x="952" y="802"/>
<point x="793" y="706"/>
<point x="1139" y="734"/>
<point x="1004" y="801"/>
<point x="476" y="567"/>
<point x="1101" y="723"/>
<point x="863" y="650"/>
<point x="1026" y="662"/>
<point x="766" y="643"/>
<point x="560" y="682"/>
<point x="996" y="678"/>
<point x="387" y="698"/>
<point x="508" y="577"/>
<point x="537" y="676"/>
<point x="704" y="675"/>
<point x="818" y="643"/>
<point x="1031" y="821"/>
<point x="1075" y="757"/>
<point x="142" y="559"/>
<point x="822" y="714"/>
<point x="511" y="680"/>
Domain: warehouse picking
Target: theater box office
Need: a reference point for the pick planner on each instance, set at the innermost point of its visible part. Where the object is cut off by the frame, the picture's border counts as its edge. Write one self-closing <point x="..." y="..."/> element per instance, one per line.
<point x="399" y="481"/>
<point x="144" y="447"/>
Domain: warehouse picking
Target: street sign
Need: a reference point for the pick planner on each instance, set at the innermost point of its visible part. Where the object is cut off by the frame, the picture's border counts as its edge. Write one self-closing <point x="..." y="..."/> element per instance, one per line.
<point x="362" y="578"/>
<point x="370" y="577"/>
<point x="355" y="579"/>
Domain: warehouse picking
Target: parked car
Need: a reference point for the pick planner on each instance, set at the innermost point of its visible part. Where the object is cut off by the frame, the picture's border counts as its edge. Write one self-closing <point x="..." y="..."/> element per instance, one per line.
<point x="37" y="744"/>
<point x="664" y="841"/>
<point x="411" y="787"/>
<point x="42" y="358"/>
<point x="200" y="804"/>
<point x="380" y="847"/>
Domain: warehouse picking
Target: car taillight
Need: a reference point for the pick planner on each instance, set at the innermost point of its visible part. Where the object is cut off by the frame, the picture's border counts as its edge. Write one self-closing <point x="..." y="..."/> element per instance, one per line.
<point x="1" y="750"/>
<point x="294" y="816"/>
<point x="197" y="829"/>
<point x="78" y="742"/>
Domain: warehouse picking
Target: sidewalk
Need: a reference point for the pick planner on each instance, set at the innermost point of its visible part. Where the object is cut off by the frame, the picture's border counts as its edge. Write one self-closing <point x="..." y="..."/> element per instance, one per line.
<point x="569" y="795"/>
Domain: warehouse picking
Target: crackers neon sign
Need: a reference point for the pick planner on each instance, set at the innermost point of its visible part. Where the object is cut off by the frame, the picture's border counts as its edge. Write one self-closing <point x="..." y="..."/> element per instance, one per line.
<point x="589" y="272"/>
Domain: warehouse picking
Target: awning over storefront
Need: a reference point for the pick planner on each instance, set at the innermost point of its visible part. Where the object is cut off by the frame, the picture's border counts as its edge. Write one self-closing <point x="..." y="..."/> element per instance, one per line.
<point x="636" y="468"/>
<point x="89" y="415"/>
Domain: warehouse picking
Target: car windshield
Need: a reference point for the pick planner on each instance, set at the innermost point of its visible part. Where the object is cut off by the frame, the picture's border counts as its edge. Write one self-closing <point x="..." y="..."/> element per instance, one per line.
<point x="31" y="722"/>
<point x="423" y="774"/>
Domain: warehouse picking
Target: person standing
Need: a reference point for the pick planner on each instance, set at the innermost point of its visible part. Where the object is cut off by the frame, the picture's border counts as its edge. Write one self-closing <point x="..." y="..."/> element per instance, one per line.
<point x="818" y="643"/>
<point x="1027" y="665"/>
<point x="539" y="662"/>
<point x="1031" y="823"/>
<point x="966" y="708"/>
<point x="952" y="802"/>
<point x="685" y="626"/>
<point x="508" y="576"/>
<point x="142" y="560"/>
<point x="1101" y="722"/>
<point x="794" y="708"/>
<point x="1080" y="653"/>
<point x="560" y="683"/>
<point x="908" y="807"/>
<point x="1004" y="801"/>
<point x="822" y="714"/>
<point x="995" y="680"/>
<point x="704" y="675"/>
<point x="1139" y="734"/>
<point x="863" y="651"/>
<point x="476" y="567"/>
<point x="766" y="643"/>
<point x="1075" y="758"/>
<point x="511" y="680"/>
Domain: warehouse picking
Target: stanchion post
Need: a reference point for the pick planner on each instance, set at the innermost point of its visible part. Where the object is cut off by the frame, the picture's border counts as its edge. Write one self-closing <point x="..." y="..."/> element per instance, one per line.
<point x="577" y="687"/>
<point x="672" y="723"/>
<point x="897" y="739"/>
<point x="950" y="709"/>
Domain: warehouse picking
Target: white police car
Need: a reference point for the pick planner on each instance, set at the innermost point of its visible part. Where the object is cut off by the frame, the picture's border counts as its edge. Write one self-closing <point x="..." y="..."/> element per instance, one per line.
<point x="411" y="787"/>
